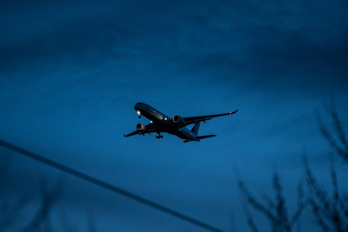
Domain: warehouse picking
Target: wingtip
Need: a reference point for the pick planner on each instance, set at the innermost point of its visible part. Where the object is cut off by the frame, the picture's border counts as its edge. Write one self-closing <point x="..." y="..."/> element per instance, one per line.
<point x="234" y="112"/>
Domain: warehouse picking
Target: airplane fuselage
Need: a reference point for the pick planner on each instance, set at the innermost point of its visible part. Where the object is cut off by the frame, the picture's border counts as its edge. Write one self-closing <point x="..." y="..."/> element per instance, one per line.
<point x="163" y="122"/>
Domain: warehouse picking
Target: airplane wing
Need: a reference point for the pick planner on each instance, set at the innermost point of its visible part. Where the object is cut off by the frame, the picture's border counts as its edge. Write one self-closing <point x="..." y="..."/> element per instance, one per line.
<point x="140" y="133"/>
<point x="191" y="120"/>
<point x="133" y="133"/>
<point x="149" y="128"/>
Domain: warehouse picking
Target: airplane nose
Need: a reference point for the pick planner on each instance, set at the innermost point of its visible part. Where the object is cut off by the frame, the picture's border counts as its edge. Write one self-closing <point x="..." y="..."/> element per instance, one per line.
<point x="137" y="106"/>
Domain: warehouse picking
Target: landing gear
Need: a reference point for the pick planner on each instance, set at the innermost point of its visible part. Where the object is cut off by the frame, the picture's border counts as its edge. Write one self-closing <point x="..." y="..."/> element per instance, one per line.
<point x="159" y="136"/>
<point x="139" y="116"/>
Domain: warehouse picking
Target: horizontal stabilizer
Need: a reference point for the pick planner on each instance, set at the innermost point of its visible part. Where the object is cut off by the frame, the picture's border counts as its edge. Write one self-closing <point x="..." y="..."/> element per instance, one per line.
<point x="205" y="136"/>
<point x="186" y="141"/>
<point x="199" y="137"/>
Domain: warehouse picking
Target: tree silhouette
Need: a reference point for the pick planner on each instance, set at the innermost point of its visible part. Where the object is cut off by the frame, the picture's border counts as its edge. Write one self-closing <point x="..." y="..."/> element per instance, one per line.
<point x="13" y="210"/>
<point x="48" y="198"/>
<point x="337" y="139"/>
<point x="330" y="212"/>
<point x="274" y="210"/>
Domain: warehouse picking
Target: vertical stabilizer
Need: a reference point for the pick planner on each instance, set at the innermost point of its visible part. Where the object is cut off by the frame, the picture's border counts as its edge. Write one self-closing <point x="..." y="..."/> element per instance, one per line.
<point x="195" y="128"/>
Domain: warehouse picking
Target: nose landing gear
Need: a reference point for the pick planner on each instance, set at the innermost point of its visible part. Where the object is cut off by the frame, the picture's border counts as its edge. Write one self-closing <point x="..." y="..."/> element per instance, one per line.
<point x="159" y="136"/>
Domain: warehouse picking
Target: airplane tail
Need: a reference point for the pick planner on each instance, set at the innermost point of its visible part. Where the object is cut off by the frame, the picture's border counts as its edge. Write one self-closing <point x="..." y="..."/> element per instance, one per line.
<point x="195" y="129"/>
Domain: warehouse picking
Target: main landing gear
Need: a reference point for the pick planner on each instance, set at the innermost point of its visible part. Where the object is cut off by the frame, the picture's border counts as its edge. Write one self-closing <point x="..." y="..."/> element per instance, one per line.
<point x="159" y="136"/>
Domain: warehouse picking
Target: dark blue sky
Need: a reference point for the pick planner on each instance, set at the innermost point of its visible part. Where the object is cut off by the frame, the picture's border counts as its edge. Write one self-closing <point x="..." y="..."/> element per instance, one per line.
<point x="71" y="72"/>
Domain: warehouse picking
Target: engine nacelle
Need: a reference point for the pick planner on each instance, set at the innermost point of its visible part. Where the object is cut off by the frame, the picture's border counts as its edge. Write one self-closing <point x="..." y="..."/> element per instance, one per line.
<point x="140" y="127"/>
<point x="178" y="120"/>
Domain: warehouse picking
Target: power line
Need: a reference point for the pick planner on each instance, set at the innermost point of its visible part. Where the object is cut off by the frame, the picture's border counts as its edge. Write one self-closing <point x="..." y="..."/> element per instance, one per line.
<point x="105" y="185"/>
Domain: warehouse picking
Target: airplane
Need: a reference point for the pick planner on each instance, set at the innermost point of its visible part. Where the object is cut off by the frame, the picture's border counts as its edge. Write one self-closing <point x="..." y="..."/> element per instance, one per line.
<point x="175" y="126"/>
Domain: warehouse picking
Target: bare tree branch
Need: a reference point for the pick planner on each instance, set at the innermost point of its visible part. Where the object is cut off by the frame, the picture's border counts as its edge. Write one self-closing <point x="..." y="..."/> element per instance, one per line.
<point x="340" y="145"/>
<point x="252" y="201"/>
<point x="331" y="213"/>
<point x="250" y="219"/>
<point x="48" y="199"/>
<point x="302" y="204"/>
<point x="276" y="213"/>
<point x="338" y="125"/>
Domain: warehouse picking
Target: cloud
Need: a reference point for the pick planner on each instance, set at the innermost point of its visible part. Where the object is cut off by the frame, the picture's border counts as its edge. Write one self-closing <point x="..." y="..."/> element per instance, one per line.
<point x="276" y="50"/>
<point x="77" y="48"/>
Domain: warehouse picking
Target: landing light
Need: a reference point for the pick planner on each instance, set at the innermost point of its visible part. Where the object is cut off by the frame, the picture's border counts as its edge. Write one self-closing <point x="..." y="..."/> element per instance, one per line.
<point x="138" y="112"/>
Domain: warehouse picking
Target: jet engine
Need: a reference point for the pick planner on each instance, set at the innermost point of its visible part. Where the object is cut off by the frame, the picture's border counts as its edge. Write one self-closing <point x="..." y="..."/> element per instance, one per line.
<point x="140" y="127"/>
<point x="178" y="120"/>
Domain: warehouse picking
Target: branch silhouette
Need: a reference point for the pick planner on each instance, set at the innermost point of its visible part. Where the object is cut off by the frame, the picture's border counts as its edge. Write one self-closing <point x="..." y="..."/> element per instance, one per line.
<point x="14" y="209"/>
<point x="339" y="141"/>
<point x="275" y="210"/>
<point x="330" y="212"/>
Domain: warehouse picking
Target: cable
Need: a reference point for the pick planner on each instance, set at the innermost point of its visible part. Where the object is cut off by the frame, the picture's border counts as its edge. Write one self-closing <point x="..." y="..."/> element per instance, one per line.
<point x="105" y="185"/>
